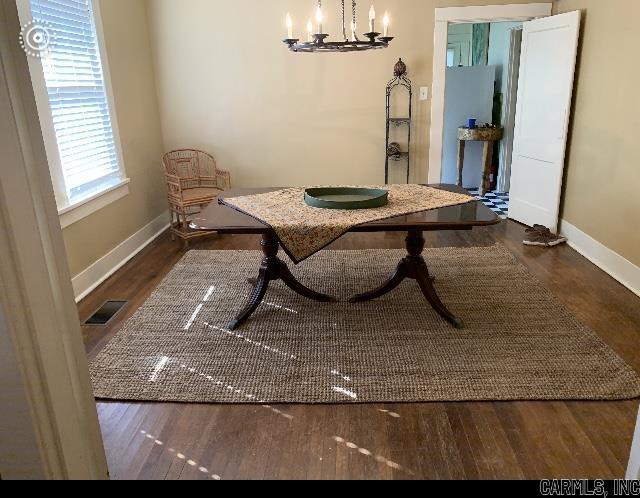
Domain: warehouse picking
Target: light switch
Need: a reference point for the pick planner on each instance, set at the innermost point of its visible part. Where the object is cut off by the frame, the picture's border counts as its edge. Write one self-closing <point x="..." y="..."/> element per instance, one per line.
<point x="424" y="93"/>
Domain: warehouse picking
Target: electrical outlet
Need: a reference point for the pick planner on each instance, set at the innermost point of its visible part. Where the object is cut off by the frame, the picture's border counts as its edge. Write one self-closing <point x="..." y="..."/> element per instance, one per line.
<point x="424" y="93"/>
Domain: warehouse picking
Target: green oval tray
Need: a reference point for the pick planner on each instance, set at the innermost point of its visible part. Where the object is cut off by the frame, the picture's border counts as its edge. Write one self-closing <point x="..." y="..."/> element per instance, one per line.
<point x="348" y="198"/>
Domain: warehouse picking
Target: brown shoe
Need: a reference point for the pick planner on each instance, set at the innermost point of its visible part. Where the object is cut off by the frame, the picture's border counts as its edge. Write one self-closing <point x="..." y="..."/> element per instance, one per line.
<point x="543" y="237"/>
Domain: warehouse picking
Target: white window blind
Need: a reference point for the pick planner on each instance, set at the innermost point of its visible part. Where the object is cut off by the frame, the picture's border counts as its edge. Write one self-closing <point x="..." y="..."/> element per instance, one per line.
<point x="78" y="99"/>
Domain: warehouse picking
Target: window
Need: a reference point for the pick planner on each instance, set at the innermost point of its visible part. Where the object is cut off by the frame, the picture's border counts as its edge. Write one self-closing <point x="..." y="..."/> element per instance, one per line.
<point x="74" y="104"/>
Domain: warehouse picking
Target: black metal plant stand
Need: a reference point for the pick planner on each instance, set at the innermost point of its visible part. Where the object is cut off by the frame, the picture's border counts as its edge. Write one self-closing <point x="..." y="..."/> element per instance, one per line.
<point x="394" y="153"/>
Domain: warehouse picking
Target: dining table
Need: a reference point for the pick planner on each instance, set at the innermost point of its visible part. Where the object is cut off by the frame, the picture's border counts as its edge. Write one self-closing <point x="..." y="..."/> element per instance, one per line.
<point x="223" y="219"/>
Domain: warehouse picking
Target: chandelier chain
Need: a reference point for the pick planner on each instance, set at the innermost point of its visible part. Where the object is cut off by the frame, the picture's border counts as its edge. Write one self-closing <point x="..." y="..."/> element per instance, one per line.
<point x="344" y="23"/>
<point x="355" y="21"/>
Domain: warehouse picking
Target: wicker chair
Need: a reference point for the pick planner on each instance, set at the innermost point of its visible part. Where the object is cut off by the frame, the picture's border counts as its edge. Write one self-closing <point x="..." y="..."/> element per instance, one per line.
<point x="193" y="182"/>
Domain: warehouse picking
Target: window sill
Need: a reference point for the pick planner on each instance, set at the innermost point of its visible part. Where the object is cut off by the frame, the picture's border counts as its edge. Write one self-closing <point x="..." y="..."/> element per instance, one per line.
<point x="76" y="212"/>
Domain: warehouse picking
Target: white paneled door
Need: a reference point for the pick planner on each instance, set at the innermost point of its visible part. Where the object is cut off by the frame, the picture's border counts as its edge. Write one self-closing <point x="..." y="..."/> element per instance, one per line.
<point x="545" y="89"/>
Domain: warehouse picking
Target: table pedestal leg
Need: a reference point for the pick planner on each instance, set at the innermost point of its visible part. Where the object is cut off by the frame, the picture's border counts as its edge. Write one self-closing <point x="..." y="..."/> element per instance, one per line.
<point x="413" y="267"/>
<point x="272" y="269"/>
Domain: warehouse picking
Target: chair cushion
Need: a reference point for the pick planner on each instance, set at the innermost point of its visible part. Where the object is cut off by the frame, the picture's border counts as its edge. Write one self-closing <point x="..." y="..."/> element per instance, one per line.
<point x="200" y="193"/>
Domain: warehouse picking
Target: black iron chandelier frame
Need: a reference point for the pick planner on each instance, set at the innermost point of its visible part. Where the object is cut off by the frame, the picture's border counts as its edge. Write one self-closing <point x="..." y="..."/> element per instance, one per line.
<point x="319" y="43"/>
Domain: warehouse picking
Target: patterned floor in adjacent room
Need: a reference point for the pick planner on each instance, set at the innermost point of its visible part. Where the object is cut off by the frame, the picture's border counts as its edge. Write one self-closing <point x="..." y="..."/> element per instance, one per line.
<point x="496" y="201"/>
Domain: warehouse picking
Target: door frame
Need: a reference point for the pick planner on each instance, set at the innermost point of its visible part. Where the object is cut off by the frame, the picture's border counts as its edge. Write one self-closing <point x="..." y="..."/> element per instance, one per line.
<point x="460" y="15"/>
<point x="509" y="111"/>
<point x="48" y="401"/>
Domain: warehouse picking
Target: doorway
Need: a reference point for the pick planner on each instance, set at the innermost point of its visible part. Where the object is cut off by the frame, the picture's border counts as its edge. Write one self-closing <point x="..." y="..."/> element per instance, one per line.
<point x="542" y="109"/>
<point x="483" y="61"/>
<point x="445" y="17"/>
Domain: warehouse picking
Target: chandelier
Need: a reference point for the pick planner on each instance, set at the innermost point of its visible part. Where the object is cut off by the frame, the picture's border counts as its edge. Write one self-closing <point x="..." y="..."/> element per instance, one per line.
<point x="317" y="42"/>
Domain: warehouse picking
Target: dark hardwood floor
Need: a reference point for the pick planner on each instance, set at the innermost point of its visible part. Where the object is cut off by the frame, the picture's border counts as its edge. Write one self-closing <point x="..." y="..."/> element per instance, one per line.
<point x="530" y="440"/>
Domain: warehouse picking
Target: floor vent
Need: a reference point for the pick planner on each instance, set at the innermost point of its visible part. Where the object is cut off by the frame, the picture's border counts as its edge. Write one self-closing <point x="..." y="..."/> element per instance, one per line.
<point x="106" y="313"/>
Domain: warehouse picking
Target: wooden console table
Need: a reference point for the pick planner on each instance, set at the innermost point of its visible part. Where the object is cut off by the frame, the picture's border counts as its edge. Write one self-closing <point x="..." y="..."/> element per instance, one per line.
<point x="487" y="135"/>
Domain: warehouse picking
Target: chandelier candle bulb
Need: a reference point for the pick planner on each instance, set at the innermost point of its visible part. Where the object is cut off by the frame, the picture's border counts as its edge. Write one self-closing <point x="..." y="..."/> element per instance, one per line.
<point x="320" y="19"/>
<point x="289" y="26"/>
<point x="309" y="31"/>
<point x="372" y="19"/>
<point x="386" y="21"/>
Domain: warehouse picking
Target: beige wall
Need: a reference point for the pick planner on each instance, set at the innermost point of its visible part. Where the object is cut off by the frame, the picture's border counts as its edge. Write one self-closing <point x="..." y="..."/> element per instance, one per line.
<point x="277" y="118"/>
<point x="228" y="84"/>
<point x="129" y="55"/>
<point x="603" y="168"/>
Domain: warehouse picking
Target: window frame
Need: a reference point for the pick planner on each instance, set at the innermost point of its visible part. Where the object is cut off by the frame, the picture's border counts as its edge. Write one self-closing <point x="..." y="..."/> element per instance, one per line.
<point x="72" y="212"/>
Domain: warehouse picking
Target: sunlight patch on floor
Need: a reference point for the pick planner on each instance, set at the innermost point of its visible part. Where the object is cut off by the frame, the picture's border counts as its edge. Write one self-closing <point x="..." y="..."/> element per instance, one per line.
<point x="248" y="396"/>
<point x="370" y="454"/>
<point x="345" y="392"/>
<point x="207" y="296"/>
<point x="162" y="362"/>
<point x="280" y="307"/>
<point x="252" y="342"/>
<point x="181" y="456"/>
<point x="391" y="414"/>
<point x="344" y="377"/>
<point x="193" y="317"/>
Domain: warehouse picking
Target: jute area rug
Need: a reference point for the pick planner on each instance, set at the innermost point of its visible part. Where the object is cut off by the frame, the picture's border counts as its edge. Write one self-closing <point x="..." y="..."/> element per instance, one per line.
<point x="519" y="342"/>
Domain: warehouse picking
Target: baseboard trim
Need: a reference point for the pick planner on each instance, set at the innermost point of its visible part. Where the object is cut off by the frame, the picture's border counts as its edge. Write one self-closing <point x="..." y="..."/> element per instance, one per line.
<point x="600" y="255"/>
<point x="87" y="281"/>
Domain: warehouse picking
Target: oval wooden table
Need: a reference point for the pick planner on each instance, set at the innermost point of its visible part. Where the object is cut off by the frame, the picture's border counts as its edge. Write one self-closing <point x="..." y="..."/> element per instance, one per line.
<point x="226" y="220"/>
<point x="487" y="135"/>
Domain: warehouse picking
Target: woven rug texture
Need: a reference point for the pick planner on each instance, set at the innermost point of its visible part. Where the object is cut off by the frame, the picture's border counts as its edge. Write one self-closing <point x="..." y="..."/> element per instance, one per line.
<point x="519" y="341"/>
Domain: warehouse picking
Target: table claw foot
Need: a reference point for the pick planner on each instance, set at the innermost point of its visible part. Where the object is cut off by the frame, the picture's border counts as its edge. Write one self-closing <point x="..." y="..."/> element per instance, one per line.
<point x="257" y="295"/>
<point x="413" y="267"/>
<point x="293" y="284"/>
<point x="273" y="269"/>
<point x="426" y="284"/>
<point x="389" y="286"/>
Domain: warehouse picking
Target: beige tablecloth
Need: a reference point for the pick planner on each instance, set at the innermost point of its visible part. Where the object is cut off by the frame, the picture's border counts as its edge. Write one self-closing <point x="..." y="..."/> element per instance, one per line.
<point x="304" y="230"/>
